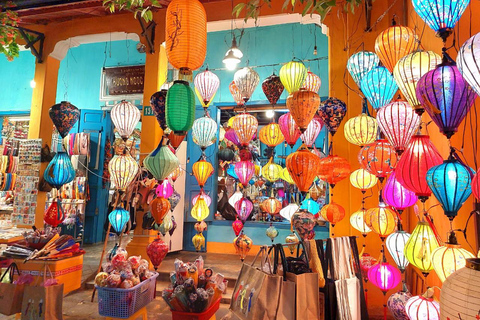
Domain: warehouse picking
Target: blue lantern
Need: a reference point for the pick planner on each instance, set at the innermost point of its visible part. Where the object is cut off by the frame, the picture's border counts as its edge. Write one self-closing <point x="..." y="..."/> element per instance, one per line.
<point x="379" y="87"/>
<point x="59" y="171"/>
<point x="360" y="63"/>
<point x="231" y="171"/>
<point x="118" y="219"/>
<point x="311" y="206"/>
<point x="450" y="183"/>
<point x="440" y="15"/>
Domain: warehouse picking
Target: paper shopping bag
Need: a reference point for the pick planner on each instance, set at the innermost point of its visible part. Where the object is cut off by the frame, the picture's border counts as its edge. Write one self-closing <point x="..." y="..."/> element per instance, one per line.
<point x="42" y="303"/>
<point x="307" y="305"/>
<point x="11" y="294"/>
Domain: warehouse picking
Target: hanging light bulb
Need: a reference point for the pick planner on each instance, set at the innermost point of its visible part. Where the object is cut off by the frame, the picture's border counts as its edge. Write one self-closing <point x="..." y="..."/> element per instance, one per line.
<point x="289" y="129"/>
<point x="396" y="195"/>
<point x="202" y="170"/>
<point x="123" y="169"/>
<point x="333" y="169"/>
<point x="204" y="132"/>
<point x="271" y="135"/>
<point x="246" y="80"/>
<point x="272" y="88"/>
<point x="293" y="75"/>
<point x="233" y="56"/>
<point x="313" y="130"/>
<point x="420" y="246"/>
<point x="200" y="210"/>
<point x="303" y="105"/>
<point x="332" y="111"/>
<point x="394" y="43"/>
<point x="363" y="180"/>
<point x="360" y="63"/>
<point x="244" y="171"/>
<point x="59" y="171"/>
<point x="378" y="158"/>
<point x="357" y="220"/>
<point x="271" y="171"/>
<point x="379" y="87"/>
<point x="312" y="82"/>
<point x="245" y="126"/>
<point x="207" y="84"/>
<point x="361" y="130"/>
<point x="396" y="247"/>
<point x="468" y="62"/>
<point x="289" y="211"/>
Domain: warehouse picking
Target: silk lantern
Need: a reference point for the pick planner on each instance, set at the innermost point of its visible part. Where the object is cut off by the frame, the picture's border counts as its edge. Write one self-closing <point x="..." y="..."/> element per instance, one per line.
<point x="468" y="62"/>
<point x="378" y="158"/>
<point x="394" y="43"/>
<point x="271" y="135"/>
<point x="202" y="170"/>
<point x="59" y="171"/>
<point x="304" y="222"/>
<point x="271" y="171"/>
<point x="384" y="276"/>
<point x="310" y="205"/>
<point x="157" y="102"/>
<point x="396" y="247"/>
<point x="204" y="132"/>
<point x="381" y="219"/>
<point x="363" y="180"/>
<point x="54" y="215"/>
<point x="313" y="130"/>
<point x="366" y="262"/>
<point x="303" y="105"/>
<point x="293" y="75"/>
<point x="203" y="195"/>
<point x="312" y="82"/>
<point x="271" y="205"/>
<point x="64" y="115"/>
<point x="246" y="80"/>
<point x="245" y="126"/>
<point x="200" y="226"/>
<point x="361" y="130"/>
<point x="315" y="191"/>
<point x="285" y="175"/>
<point x="332" y="111"/>
<point x="207" y="84"/>
<point x="118" y="218"/>
<point x="180" y="107"/>
<point x="357" y="221"/>
<point x="244" y="171"/>
<point x="174" y="200"/>
<point x="379" y="87"/>
<point x="236" y="94"/>
<point x="244" y="208"/>
<point x="333" y="213"/>
<point x="361" y="63"/>
<point x="420" y="246"/>
<point x="333" y="169"/>
<point x="303" y="167"/>
<point x="159" y="207"/>
<point x="418" y="158"/>
<point x="237" y="226"/>
<point x="177" y="173"/>
<point x="423" y="307"/>
<point x="289" y="129"/>
<point x="226" y="154"/>
<point x="289" y="211"/>
<point x="157" y="251"/>
<point x="396" y="195"/>
<point x="200" y="210"/>
<point x="161" y="162"/>
<point x="198" y="241"/>
<point x="231" y="136"/>
<point x="165" y="189"/>
<point x="396" y="303"/>
<point x="272" y="88"/>
<point x="476" y="185"/>
<point x="271" y="232"/>
<point x="242" y="245"/>
<point x="186" y="35"/>
<point x="125" y="117"/>
<point x="235" y="197"/>
<point x="175" y="140"/>
<point x="123" y="169"/>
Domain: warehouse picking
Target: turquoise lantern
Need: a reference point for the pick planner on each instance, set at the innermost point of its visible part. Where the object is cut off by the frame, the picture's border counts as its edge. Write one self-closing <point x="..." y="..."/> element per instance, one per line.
<point x="59" y="171"/>
<point x="450" y="182"/>
<point x="379" y="87"/>
<point x="231" y="171"/>
<point x="118" y="219"/>
<point x="311" y="206"/>
<point x="360" y="63"/>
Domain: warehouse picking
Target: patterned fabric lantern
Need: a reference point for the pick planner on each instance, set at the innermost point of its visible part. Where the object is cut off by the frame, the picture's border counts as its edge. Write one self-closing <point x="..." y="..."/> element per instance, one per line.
<point x="423" y="307"/>
<point x="200" y="210"/>
<point x="396" y="304"/>
<point x="244" y="171"/>
<point x="205" y="197"/>
<point x="204" y="132"/>
<point x="357" y="220"/>
<point x="468" y="62"/>
<point x="207" y="84"/>
<point x="180" y="107"/>
<point x="303" y="166"/>
<point x="242" y="245"/>
<point x="313" y="130"/>
<point x="333" y="213"/>
<point x="311" y="206"/>
<point x="175" y="140"/>
<point x="412" y="168"/>
<point x="202" y="170"/>
<point x="198" y="241"/>
<point x="304" y="222"/>
<point x="271" y="171"/>
<point x="200" y="226"/>
<point x="159" y="207"/>
<point x="271" y="135"/>
<point x="476" y="185"/>
<point x="125" y="117"/>
<point x="161" y="162"/>
<point x="237" y="226"/>
<point x="360" y="63"/>
<point x="157" y="102"/>
<point x="361" y="130"/>
<point x="382" y="220"/>
<point x="332" y="112"/>
<point x="246" y="80"/>
<point x="396" y="245"/>
<point x="186" y="35"/>
<point x="272" y="88"/>
<point x="315" y="191"/>
<point x="245" y="126"/>
<point x="123" y="169"/>
<point x="59" y="171"/>
<point x="64" y="115"/>
<point x="289" y="129"/>
<point x="177" y="173"/>
<point x="419" y="248"/>
<point x="54" y="215"/>
<point x="397" y="196"/>
<point x="447" y="97"/>
<point x="293" y="75"/>
<point x="410" y="69"/>
<point x="379" y="87"/>
<point x="398" y="122"/>
<point x="157" y="251"/>
<point x="236" y="94"/>
<point x="231" y="136"/>
<point x="174" y="201"/>
<point x="165" y="189"/>
<point x="271" y="205"/>
<point x="333" y="169"/>
<point x="394" y="43"/>
<point x="449" y="258"/>
<point x="312" y="82"/>
<point x="384" y="276"/>
<point x="303" y="105"/>
<point x="289" y="211"/>
<point x="271" y="232"/>
<point x="378" y="158"/>
<point x="244" y="208"/>
<point x="366" y="262"/>
<point x="363" y="180"/>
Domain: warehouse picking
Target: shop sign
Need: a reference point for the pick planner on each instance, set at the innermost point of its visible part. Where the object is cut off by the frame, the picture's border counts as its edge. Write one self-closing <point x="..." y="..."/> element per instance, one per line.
<point x="147" y="111"/>
<point x="124" y="80"/>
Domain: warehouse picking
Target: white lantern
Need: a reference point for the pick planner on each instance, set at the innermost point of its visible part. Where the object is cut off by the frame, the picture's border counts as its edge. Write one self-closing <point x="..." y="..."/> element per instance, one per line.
<point x="234" y="198"/>
<point x="204" y="132"/>
<point x="468" y="62"/>
<point x="357" y="220"/>
<point x="125" y="117"/>
<point x="396" y="245"/>
<point x="246" y="80"/>
<point x="449" y="258"/>
<point x="289" y="211"/>
<point x="423" y="307"/>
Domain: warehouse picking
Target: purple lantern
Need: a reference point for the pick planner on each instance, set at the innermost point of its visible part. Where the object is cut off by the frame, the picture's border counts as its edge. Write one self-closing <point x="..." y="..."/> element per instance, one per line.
<point x="396" y="195"/>
<point x="243" y="207"/>
<point x="205" y="197"/>
<point x="231" y="136"/>
<point x="164" y="189"/>
<point x="446" y="96"/>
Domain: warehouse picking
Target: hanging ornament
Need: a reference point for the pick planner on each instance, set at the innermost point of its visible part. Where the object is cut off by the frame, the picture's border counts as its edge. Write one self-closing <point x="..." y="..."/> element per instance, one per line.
<point x="174" y="200"/>
<point x="419" y="248"/>
<point x="289" y="211"/>
<point x="333" y="169"/>
<point x="271" y="205"/>
<point x="246" y="80"/>
<point x="180" y="107"/>
<point x="292" y="241"/>
<point x="313" y="130"/>
<point x="384" y="276"/>
<point x="242" y="245"/>
<point x="378" y="158"/>
<point x="207" y="84"/>
<point x="200" y="210"/>
<point x="272" y="88"/>
<point x="381" y="219"/>
<point x="200" y="226"/>
<point x="398" y="122"/>
<point x="161" y="162"/>
<point x="285" y="176"/>
<point x="312" y="82"/>
<point x="226" y="154"/>
<point x="157" y="251"/>
<point x="125" y="117"/>
<point x="205" y="197"/>
<point x="396" y="247"/>
<point x="198" y="241"/>
<point x="234" y="198"/>
<point x="60" y="170"/>
<point x="310" y="205"/>
<point x="293" y="75"/>
<point x="271" y="232"/>
<point x="55" y="214"/>
<point x="303" y="167"/>
<point x="423" y="307"/>
<point x="245" y="155"/>
<point x="237" y="96"/>
<point x="333" y="213"/>
<point x="165" y="189"/>
<point x="271" y="135"/>
<point x="303" y="105"/>
<point x="123" y="169"/>
<point x="231" y="136"/>
<point x="360" y="63"/>
<point x="165" y="226"/>
<point x="159" y="207"/>
<point x="204" y="132"/>
<point x="118" y="218"/>
<point x="304" y="222"/>
<point x="244" y="208"/>
<point x="396" y="303"/>
<point x="245" y="126"/>
<point x="177" y="173"/>
<point x="175" y="140"/>
<point x="64" y="115"/>
<point x="173" y="228"/>
<point x="237" y="226"/>
<point x="231" y="171"/>
<point x="289" y="128"/>
<point x="315" y="191"/>
<point x="379" y="87"/>
<point x="397" y="196"/>
<point x="357" y="220"/>
<point x="271" y="171"/>
<point x="366" y="262"/>
<point x="157" y="102"/>
<point x="332" y="111"/>
<point x="468" y="62"/>
<point x="244" y="171"/>
<point x="202" y="170"/>
<point x="361" y="130"/>
<point x="394" y="43"/>
<point x="363" y="180"/>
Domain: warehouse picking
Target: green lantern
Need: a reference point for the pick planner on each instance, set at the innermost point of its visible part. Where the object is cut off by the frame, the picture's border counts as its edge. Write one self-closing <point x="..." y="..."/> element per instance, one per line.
<point x="161" y="162"/>
<point x="180" y="107"/>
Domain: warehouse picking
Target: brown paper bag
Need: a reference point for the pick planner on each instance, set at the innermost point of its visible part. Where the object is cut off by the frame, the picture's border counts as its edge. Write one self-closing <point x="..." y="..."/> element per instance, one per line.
<point x="286" y="305"/>
<point x="306" y="295"/>
<point x="11" y="295"/>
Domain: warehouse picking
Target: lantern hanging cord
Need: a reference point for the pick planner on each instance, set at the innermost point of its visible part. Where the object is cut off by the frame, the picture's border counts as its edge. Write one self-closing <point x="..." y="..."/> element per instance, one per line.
<point x="464" y="231"/>
<point x="271" y="65"/>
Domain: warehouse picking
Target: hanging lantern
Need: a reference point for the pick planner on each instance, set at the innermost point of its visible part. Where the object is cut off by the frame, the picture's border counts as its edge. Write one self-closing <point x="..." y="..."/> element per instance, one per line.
<point x="198" y="241"/>
<point x="159" y="207"/>
<point x="312" y="82"/>
<point x="419" y="248"/>
<point x="186" y="35"/>
<point x="180" y="107"/>
<point x="202" y="170"/>
<point x="55" y="214"/>
<point x="396" y="303"/>
<point x="244" y="171"/>
<point x="231" y="171"/>
<point x="246" y="80"/>
<point x="332" y="213"/>
<point x="226" y="154"/>
<point x="272" y="88"/>
<point x="332" y="111"/>
<point x="357" y="220"/>
<point x="123" y="169"/>
<point x="231" y="136"/>
<point x="271" y="205"/>
<point x="396" y="247"/>
<point x="207" y="84"/>
<point x="237" y="226"/>
<point x="118" y="218"/>
<point x="315" y="191"/>
<point x="175" y="140"/>
<point x="271" y="232"/>
<point x="245" y="155"/>
<point x="245" y="126"/>
<point x="234" y="198"/>
<point x="366" y="262"/>
<point x="447" y="97"/>
<point x="363" y="180"/>
<point x="60" y="170"/>
<point x="412" y="168"/>
<point x="303" y="167"/>
<point x="205" y="197"/>
<point x="242" y="245"/>
<point x="289" y="128"/>
<point x="333" y="169"/>
<point x="174" y="200"/>
<point x="244" y="208"/>
<point x="423" y="307"/>
<point x="304" y="222"/>
<point x="285" y="176"/>
<point x="310" y="205"/>
<point x="313" y="130"/>
<point x="165" y="189"/>
<point x="303" y="105"/>
<point x="125" y="117"/>
<point x="449" y="258"/>
<point x="200" y="226"/>
<point x="237" y="96"/>
<point x="468" y="62"/>
<point x="378" y="158"/>
<point x="157" y="251"/>
<point x="157" y="102"/>
<point x="381" y="219"/>
<point x="271" y="171"/>
<point x="204" y="132"/>
<point x="161" y="162"/>
<point x="200" y="210"/>
<point x="394" y="43"/>
<point x="360" y="63"/>
<point x="379" y="87"/>
<point x="397" y="196"/>
<point x="384" y="276"/>
<point x="293" y="75"/>
<point x="289" y="211"/>
<point x="292" y="241"/>
<point x="176" y="174"/>
<point x="410" y="69"/>
<point x="64" y="115"/>
<point x="361" y="130"/>
<point x="271" y="135"/>
<point x="476" y="185"/>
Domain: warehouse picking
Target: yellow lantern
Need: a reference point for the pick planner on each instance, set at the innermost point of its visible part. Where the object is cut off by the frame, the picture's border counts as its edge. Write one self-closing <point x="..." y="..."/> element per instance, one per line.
<point x="382" y="220"/>
<point x="394" y="43"/>
<point x="202" y="170"/>
<point x="363" y="180"/>
<point x="357" y="220"/>
<point x="200" y="210"/>
<point x="230" y="122"/>
<point x="271" y="135"/>
<point x="271" y="171"/>
<point x="293" y="75"/>
<point x="198" y="241"/>
<point x="361" y="130"/>
<point x="285" y="175"/>
<point x="257" y="170"/>
<point x="419" y="248"/>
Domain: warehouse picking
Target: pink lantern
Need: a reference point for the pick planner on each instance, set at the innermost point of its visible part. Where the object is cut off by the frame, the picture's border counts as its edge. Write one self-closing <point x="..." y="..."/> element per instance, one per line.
<point x="244" y="171"/>
<point x="476" y="185"/>
<point x="396" y="195"/>
<point x="243" y="207"/>
<point x="205" y="197"/>
<point x="289" y="128"/>
<point x="312" y="132"/>
<point x="231" y="136"/>
<point x="384" y="276"/>
<point x="157" y="251"/>
<point x="164" y="189"/>
<point x="312" y="82"/>
<point x="237" y="226"/>
<point x="207" y="84"/>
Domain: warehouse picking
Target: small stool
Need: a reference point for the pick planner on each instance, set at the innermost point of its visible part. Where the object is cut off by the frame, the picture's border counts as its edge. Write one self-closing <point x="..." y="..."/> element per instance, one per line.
<point x="142" y="312"/>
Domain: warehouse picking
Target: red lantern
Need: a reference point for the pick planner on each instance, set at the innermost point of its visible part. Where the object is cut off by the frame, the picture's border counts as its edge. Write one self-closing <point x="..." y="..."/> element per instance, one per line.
<point x="244" y="171"/>
<point x="159" y="208"/>
<point x="366" y="262"/>
<point x="289" y="129"/>
<point x="202" y="170"/>
<point x="245" y="126"/>
<point x="378" y="158"/>
<point x="333" y="213"/>
<point x="303" y="105"/>
<point x="476" y="185"/>
<point x="237" y="226"/>
<point x="272" y="88"/>
<point x="54" y="214"/>
<point x="303" y="167"/>
<point x="157" y="251"/>
<point x="333" y="169"/>
<point x="175" y="139"/>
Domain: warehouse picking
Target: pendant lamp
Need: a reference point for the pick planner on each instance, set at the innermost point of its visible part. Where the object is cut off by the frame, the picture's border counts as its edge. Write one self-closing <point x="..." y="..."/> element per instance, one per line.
<point x="200" y="210"/>
<point x="271" y="171"/>
<point x="379" y="87"/>
<point x="245" y="126"/>
<point x="157" y="102"/>
<point x="272" y="88"/>
<point x="207" y="84"/>
<point x="310" y="205"/>
<point x="202" y="170"/>
<point x="59" y="171"/>
<point x="244" y="171"/>
<point x="384" y="276"/>
<point x="361" y="130"/>
<point x="64" y="115"/>
<point x="396" y="247"/>
<point x="246" y="80"/>
<point x="423" y="307"/>
<point x="333" y="169"/>
<point x="381" y="219"/>
<point x="332" y="111"/>
<point x="161" y="162"/>
<point x="468" y="62"/>
<point x="312" y="82"/>
<point x="237" y="226"/>
<point x="271" y="205"/>
<point x="396" y="195"/>
<point x="289" y="211"/>
<point x="303" y="105"/>
<point x="55" y="214"/>
<point x="204" y="132"/>
<point x="313" y="130"/>
<point x="236" y="94"/>
<point x="293" y="75"/>
<point x="333" y="213"/>
<point x="289" y="128"/>
<point x="271" y="135"/>
<point x="244" y="208"/>
<point x="394" y="43"/>
<point x="408" y="72"/>
<point x="360" y="63"/>
<point x="418" y="158"/>
<point x="203" y="195"/>
<point x="159" y="208"/>
<point x="123" y="169"/>
<point x="303" y="167"/>
<point x="363" y="180"/>
<point x="420" y="246"/>
<point x="378" y="158"/>
<point x="357" y="221"/>
<point x="242" y="245"/>
<point x="198" y="241"/>
<point x="186" y="35"/>
<point x="175" y="140"/>
<point x="180" y="107"/>
<point x="125" y="117"/>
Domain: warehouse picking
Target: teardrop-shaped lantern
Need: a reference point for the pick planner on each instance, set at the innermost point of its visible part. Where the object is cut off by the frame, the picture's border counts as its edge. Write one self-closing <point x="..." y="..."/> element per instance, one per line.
<point x="180" y="107"/>
<point x="394" y="43"/>
<point x="200" y="210"/>
<point x="419" y="248"/>
<point x="236" y="94"/>
<point x="246" y="80"/>
<point x="175" y="140"/>
<point x="382" y="220"/>
<point x="55" y="214"/>
<point x="303" y="167"/>
<point x="357" y="220"/>
<point x="378" y="158"/>
<point x="242" y="245"/>
<point x="289" y="211"/>
<point x="303" y="222"/>
<point x="177" y="173"/>
<point x="285" y="176"/>
<point x="293" y="75"/>
<point x="159" y="207"/>
<point x="161" y="162"/>
<point x="362" y="179"/>
<point x="59" y="171"/>
<point x="332" y="112"/>
<point x="366" y="262"/>
<point x="271" y="232"/>
<point x="272" y="88"/>
<point x="203" y="195"/>
<point x="271" y="205"/>
<point x="202" y="170"/>
<point x="398" y="122"/>
<point x="289" y="129"/>
<point x="476" y="185"/>
<point x="244" y="208"/>
<point x="271" y="135"/>
<point x="303" y="105"/>
<point x="157" y="251"/>
<point x="310" y="205"/>
<point x="174" y="200"/>
<point x="468" y="62"/>
<point x="396" y="195"/>
<point x="333" y="213"/>
<point x="231" y="136"/>
<point x="157" y="102"/>
<point x="361" y="130"/>
<point x="204" y="132"/>
<point x="198" y="241"/>
<point x="244" y="171"/>
<point x="396" y="247"/>
<point x="123" y="169"/>
<point x="313" y="130"/>
<point x="333" y="169"/>
<point x="271" y="171"/>
<point x="312" y="82"/>
<point x="164" y="189"/>
<point x="64" y="115"/>
<point x="245" y="126"/>
<point x="384" y="276"/>
<point x="207" y="84"/>
<point x="237" y="226"/>
<point x="360" y="63"/>
<point x="125" y="117"/>
<point x="379" y="87"/>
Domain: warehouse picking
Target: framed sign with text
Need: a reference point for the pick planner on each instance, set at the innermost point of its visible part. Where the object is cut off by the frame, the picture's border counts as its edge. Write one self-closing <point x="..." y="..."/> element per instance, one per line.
<point x="119" y="83"/>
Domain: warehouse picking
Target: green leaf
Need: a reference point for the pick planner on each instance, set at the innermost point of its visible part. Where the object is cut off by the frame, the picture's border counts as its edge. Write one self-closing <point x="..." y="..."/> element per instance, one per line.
<point x="149" y="16"/>
<point x="238" y="8"/>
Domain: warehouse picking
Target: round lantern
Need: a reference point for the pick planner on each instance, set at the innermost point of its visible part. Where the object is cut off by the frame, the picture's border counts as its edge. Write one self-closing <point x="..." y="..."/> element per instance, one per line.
<point x="186" y="35"/>
<point x="423" y="307"/>
<point x="203" y="195"/>
<point x="159" y="207"/>
<point x="236" y="94"/>
<point x="60" y="170"/>
<point x="361" y="130"/>
<point x="200" y="210"/>
<point x="157" y="251"/>
<point x="245" y="126"/>
<point x="360" y="63"/>
<point x="313" y="130"/>
<point x="200" y="226"/>
<point x="175" y="140"/>
<point x="202" y="170"/>
<point x="333" y="169"/>
<point x="447" y="97"/>
<point x="285" y="175"/>
<point x="289" y="129"/>
<point x="118" y="218"/>
<point x="418" y="158"/>
<point x="396" y="247"/>
<point x="333" y="213"/>
<point x="419" y="248"/>
<point x="272" y="88"/>
<point x="64" y="115"/>
<point x="242" y="245"/>
<point x="378" y="158"/>
<point x="312" y="82"/>
<point x="379" y="87"/>
<point x="396" y="303"/>
<point x="289" y="211"/>
<point x="293" y="75"/>
<point x="207" y="84"/>
<point x="468" y="62"/>
<point x="198" y="241"/>
<point x="384" y="276"/>
<point x="246" y="80"/>
<point x="237" y="226"/>
<point x="244" y="171"/>
<point x="204" y="132"/>
<point x="180" y="107"/>
<point x="54" y="215"/>
<point x="271" y="232"/>
<point x="476" y="185"/>
<point x="382" y="220"/>
<point x="357" y="220"/>
<point x="332" y="111"/>
<point x="303" y="167"/>
<point x="271" y="205"/>
<point x="310" y="205"/>
<point x="397" y="196"/>
<point x="125" y="117"/>
<point x="366" y="262"/>
<point x="363" y="180"/>
<point x="304" y="222"/>
<point x="161" y="162"/>
<point x="165" y="189"/>
<point x="123" y="169"/>
<point x="303" y="105"/>
<point x="271" y="135"/>
<point x="157" y="102"/>
<point x="393" y="44"/>
<point x="271" y="171"/>
<point x="226" y="154"/>
<point x="244" y="208"/>
<point x="410" y="69"/>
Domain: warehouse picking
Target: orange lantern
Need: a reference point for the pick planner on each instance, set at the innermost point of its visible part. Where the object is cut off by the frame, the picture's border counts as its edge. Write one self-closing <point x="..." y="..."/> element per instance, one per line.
<point x="333" y="169"/>
<point x="303" y="167"/>
<point x="159" y="208"/>
<point x="245" y="126"/>
<point x="378" y="158"/>
<point x="175" y="139"/>
<point x="271" y="205"/>
<point x="333" y="213"/>
<point x="271" y="135"/>
<point x="202" y="170"/>
<point x="186" y="35"/>
<point x="382" y="220"/>
<point x="303" y="105"/>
